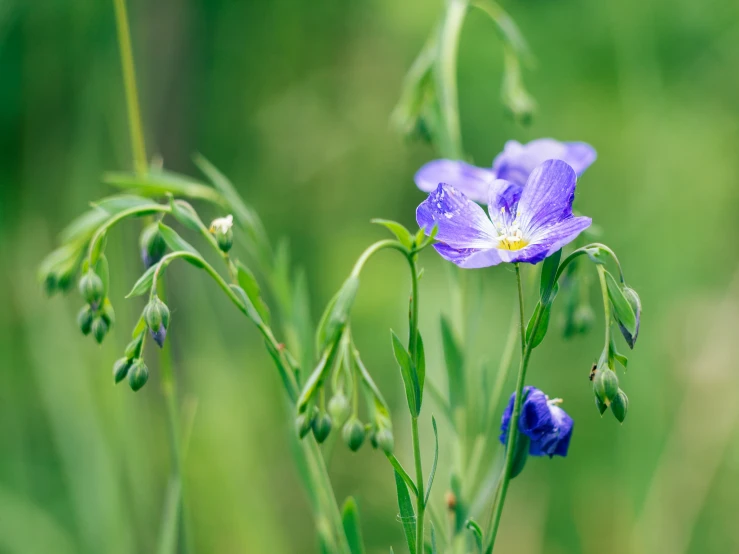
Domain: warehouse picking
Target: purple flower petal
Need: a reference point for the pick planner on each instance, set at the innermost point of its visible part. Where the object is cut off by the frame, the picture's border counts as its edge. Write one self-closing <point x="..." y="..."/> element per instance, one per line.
<point x="159" y="335"/>
<point x="503" y="198"/>
<point x="547" y="197"/>
<point x="469" y="258"/>
<point x="517" y="160"/>
<point x="462" y="224"/>
<point x="471" y="180"/>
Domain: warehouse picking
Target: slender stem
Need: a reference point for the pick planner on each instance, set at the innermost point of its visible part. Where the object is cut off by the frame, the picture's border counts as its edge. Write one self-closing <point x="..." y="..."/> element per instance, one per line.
<point x="606" y="306"/>
<point x="420" y="505"/>
<point x="451" y="146"/>
<point x="513" y="428"/>
<point x="169" y="391"/>
<point x="373" y="249"/>
<point x="129" y="82"/>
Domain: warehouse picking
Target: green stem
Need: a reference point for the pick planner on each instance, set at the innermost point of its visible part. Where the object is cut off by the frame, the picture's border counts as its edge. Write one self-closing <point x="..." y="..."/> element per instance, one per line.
<point x="129" y="82"/>
<point x="420" y="505"/>
<point x="169" y="391"/>
<point x="513" y="427"/>
<point x="446" y="71"/>
<point x="606" y="305"/>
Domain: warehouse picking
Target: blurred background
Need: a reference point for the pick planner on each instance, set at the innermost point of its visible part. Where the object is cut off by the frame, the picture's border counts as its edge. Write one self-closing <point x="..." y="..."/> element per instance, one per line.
<point x="291" y="99"/>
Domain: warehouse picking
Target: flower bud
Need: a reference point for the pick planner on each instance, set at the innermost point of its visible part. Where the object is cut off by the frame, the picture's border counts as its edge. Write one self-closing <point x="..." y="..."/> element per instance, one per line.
<point x="120" y="369"/>
<point x="152" y="245"/>
<point x="353" y="434"/>
<point x="635" y="302"/>
<point x="600" y="405"/>
<point x="385" y="441"/>
<point x="605" y="385"/>
<point x="321" y="427"/>
<point x="107" y="312"/>
<point x="99" y="329"/>
<point x="156" y="315"/>
<point x="91" y="288"/>
<point x="222" y="228"/>
<point x="339" y="408"/>
<point x="620" y="406"/>
<point x="84" y="319"/>
<point x="304" y="423"/>
<point x="138" y="374"/>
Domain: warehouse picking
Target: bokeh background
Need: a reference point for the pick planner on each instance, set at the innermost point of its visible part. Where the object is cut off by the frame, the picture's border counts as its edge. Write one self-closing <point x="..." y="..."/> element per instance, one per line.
<point x="291" y="99"/>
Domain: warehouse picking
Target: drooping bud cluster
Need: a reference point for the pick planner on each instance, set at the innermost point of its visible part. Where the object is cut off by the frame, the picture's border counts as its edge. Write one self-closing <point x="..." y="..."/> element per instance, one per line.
<point x="342" y="366"/>
<point x="222" y="228"/>
<point x="97" y="316"/>
<point x="132" y="365"/>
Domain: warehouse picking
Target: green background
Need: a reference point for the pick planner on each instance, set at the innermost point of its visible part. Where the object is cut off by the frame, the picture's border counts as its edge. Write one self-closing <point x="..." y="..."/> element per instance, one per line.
<point x="291" y="99"/>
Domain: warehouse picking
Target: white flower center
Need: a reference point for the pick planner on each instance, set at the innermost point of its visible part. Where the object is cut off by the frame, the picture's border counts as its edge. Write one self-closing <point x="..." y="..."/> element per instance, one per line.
<point x="510" y="236"/>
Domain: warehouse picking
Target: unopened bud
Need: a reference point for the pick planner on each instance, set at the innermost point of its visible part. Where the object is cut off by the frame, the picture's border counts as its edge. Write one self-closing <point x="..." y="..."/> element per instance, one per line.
<point x="385" y="440"/>
<point x="222" y="228"/>
<point x="138" y="374"/>
<point x="84" y="319"/>
<point x="99" y="329"/>
<point x="620" y="406"/>
<point x="353" y="434"/>
<point x="156" y="315"/>
<point x="339" y="408"/>
<point x="605" y="385"/>
<point x="600" y="405"/>
<point x="304" y="423"/>
<point x="107" y="312"/>
<point x="322" y="427"/>
<point x="152" y="245"/>
<point x="91" y="288"/>
<point x="120" y="369"/>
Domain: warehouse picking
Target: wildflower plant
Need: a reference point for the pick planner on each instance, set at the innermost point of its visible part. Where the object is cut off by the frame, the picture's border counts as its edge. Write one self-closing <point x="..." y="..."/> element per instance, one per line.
<point x="529" y="190"/>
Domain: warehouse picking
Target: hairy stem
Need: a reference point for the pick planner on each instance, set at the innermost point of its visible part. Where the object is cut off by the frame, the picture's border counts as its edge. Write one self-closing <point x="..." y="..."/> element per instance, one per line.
<point x="129" y="82"/>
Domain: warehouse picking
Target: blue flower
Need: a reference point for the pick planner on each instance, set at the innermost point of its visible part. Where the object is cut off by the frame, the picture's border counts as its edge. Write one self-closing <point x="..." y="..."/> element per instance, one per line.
<point x="514" y="164"/>
<point x="526" y="223"/>
<point x="546" y="424"/>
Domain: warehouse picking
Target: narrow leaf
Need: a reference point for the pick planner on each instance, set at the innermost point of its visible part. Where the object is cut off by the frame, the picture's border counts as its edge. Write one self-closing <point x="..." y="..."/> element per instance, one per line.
<point x="434" y="549"/>
<point x="436" y="460"/>
<point x="336" y="314"/>
<point x="400" y="232"/>
<point x="248" y="282"/>
<point x="621" y="307"/>
<point x="352" y="528"/>
<point x="410" y="378"/>
<point x="174" y="241"/>
<point x="186" y="214"/>
<point x="420" y="365"/>
<point x="548" y="276"/>
<point x="400" y="470"/>
<point x="541" y="331"/>
<point x="143" y="285"/>
<point x="473" y="526"/>
<point x="407" y="515"/>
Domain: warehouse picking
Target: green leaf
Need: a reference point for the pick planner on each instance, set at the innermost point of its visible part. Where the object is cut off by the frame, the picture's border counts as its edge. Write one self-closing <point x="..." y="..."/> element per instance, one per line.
<point x="352" y="528"/>
<point x="434" y="548"/>
<point x="436" y="460"/>
<point x="541" y="331"/>
<point x="161" y="183"/>
<point x="473" y="526"/>
<point x="420" y="364"/>
<point x="596" y="254"/>
<point x="248" y="282"/>
<point x="143" y="285"/>
<point x="401" y="233"/>
<point x="410" y="377"/>
<point x="454" y="360"/>
<point x="548" y="277"/>
<point x="336" y="314"/>
<point x="170" y="519"/>
<point x="317" y="377"/>
<point x="521" y="454"/>
<point x="400" y="470"/>
<point x="621" y="307"/>
<point x="407" y="515"/>
<point x="186" y="214"/>
<point x="174" y="241"/>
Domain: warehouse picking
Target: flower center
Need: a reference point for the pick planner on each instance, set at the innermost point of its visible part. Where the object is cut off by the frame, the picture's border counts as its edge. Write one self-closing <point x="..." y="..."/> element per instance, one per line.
<point x="510" y="236"/>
